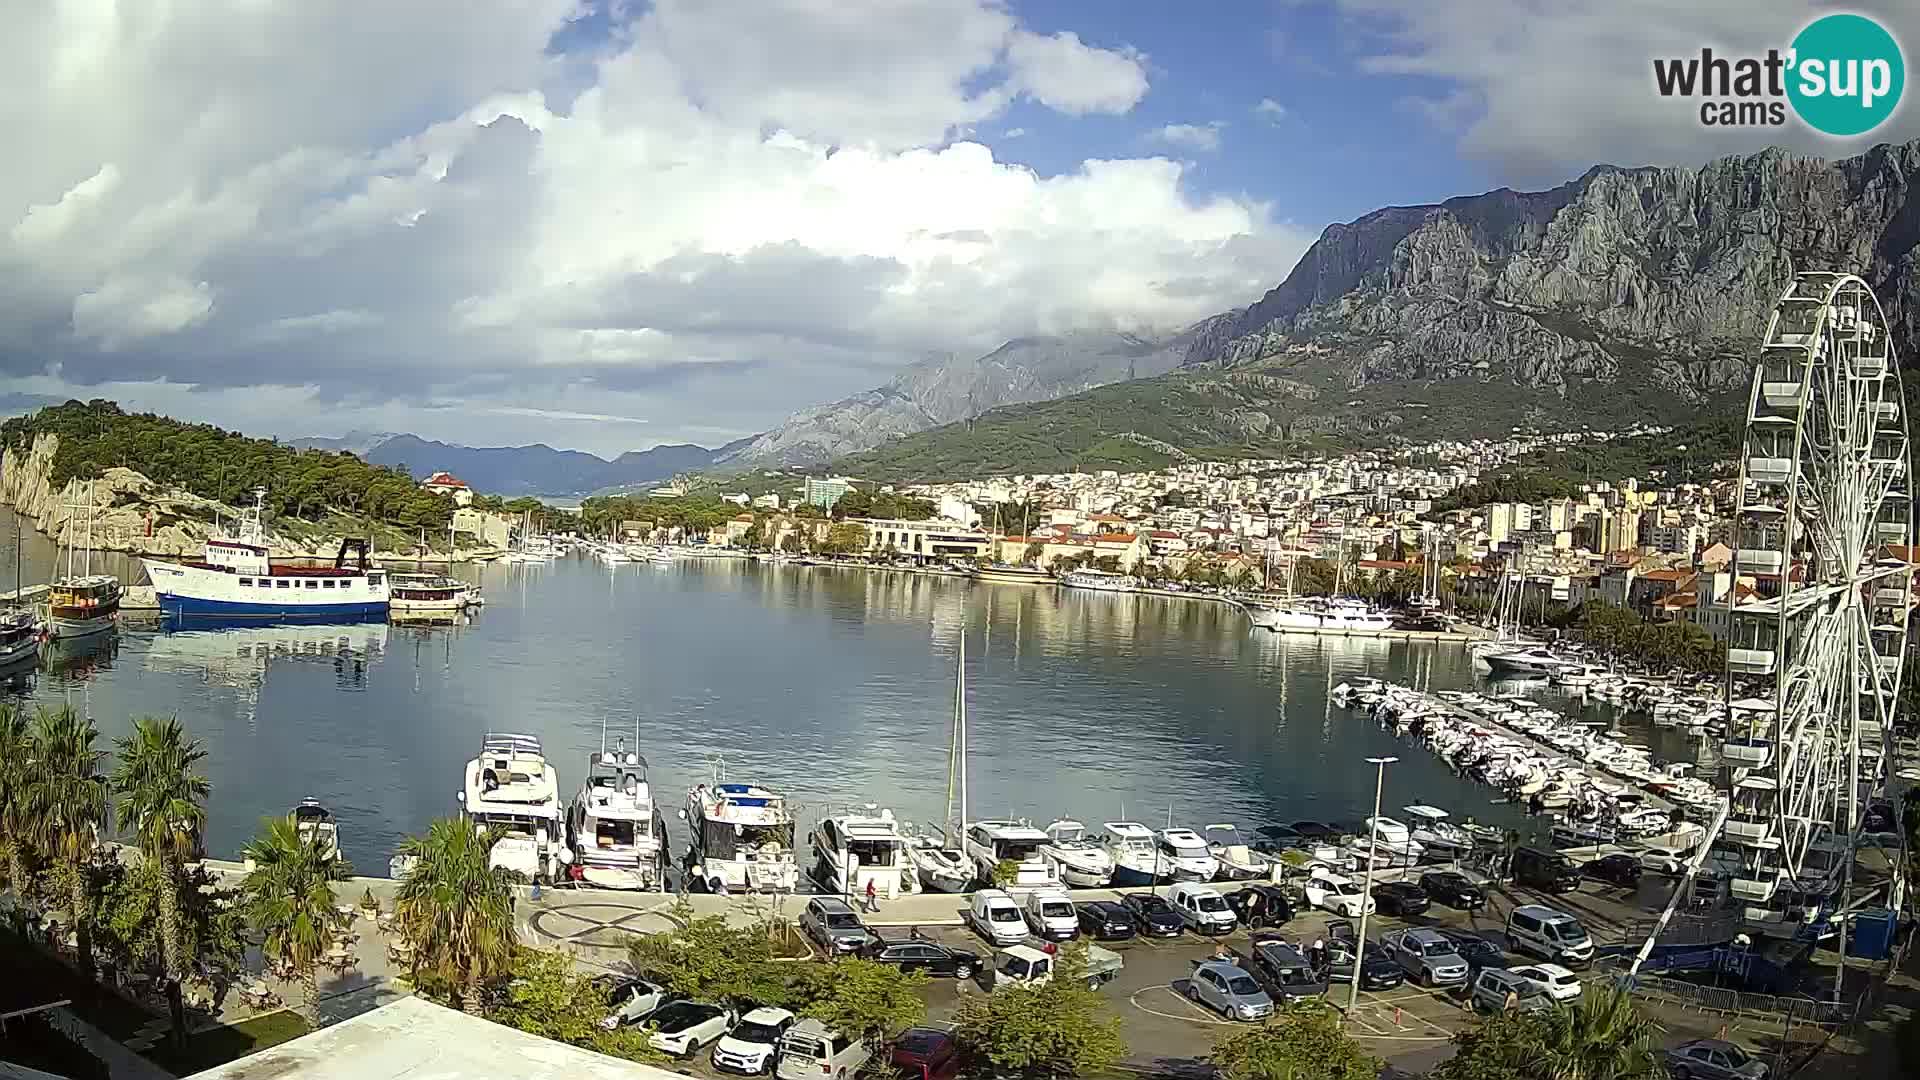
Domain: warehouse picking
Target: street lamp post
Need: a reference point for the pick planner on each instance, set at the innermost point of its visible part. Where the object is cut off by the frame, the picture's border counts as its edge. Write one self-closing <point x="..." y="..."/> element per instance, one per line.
<point x="1373" y="856"/>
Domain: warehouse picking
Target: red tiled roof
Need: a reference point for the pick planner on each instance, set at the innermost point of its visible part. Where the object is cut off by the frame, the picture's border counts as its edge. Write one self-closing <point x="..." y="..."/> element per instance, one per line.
<point x="444" y="479"/>
<point x="1114" y="538"/>
<point x="1675" y="576"/>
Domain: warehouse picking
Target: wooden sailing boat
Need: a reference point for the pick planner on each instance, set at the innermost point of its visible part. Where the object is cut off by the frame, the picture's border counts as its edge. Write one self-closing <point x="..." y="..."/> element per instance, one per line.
<point x="20" y="628"/>
<point x="941" y="863"/>
<point x="82" y="603"/>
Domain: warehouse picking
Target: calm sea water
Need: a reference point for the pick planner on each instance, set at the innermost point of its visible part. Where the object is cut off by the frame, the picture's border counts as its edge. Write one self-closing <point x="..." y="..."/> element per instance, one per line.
<point x="835" y="686"/>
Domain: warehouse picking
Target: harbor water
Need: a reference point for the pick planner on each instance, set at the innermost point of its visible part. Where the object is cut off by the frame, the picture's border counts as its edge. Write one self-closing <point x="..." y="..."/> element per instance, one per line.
<point x="835" y="686"/>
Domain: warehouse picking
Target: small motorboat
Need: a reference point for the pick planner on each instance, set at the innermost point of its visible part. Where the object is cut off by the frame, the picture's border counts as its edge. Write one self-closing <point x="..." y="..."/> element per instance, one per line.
<point x="1238" y="861"/>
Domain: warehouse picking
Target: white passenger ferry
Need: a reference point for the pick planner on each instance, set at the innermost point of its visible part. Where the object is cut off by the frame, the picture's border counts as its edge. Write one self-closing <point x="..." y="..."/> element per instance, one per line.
<point x="1101" y="581"/>
<point x="237" y="579"/>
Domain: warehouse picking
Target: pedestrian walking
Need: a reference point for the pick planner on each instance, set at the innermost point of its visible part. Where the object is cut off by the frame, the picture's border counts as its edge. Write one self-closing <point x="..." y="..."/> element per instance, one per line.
<point x="873" y="898"/>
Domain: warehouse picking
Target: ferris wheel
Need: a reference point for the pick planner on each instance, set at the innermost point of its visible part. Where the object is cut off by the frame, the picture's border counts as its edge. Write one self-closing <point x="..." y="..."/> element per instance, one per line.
<point x="1821" y="588"/>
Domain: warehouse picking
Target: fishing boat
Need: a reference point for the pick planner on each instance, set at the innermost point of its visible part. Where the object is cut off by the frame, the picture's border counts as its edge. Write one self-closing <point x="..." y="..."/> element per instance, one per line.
<point x="236" y="578"/>
<point x="82" y="603"/>
<point x="1079" y="860"/>
<point x="512" y="791"/>
<point x="314" y="823"/>
<point x="941" y="861"/>
<point x="851" y="850"/>
<point x="617" y="836"/>
<point x="1100" y="581"/>
<point x="742" y="836"/>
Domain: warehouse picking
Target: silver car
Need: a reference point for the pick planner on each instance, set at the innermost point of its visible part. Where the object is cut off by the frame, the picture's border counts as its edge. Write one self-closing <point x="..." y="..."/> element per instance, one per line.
<point x="1221" y="985"/>
<point x="1425" y="955"/>
<point x="1493" y="987"/>
<point x="833" y="925"/>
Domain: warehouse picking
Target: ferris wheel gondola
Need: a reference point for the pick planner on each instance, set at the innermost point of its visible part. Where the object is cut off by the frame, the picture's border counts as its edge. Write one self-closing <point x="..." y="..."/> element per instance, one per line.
<point x="1822" y="589"/>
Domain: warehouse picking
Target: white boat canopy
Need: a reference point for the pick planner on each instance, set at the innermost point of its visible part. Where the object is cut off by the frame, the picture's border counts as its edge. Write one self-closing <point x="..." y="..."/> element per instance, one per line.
<point x="1420" y="810"/>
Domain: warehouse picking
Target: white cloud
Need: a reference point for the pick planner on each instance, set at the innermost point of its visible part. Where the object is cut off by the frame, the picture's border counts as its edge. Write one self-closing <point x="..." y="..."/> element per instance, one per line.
<point x="726" y="211"/>
<point x="1542" y="97"/>
<point x="1203" y="137"/>
<point x="1270" y="110"/>
<point x="1014" y="133"/>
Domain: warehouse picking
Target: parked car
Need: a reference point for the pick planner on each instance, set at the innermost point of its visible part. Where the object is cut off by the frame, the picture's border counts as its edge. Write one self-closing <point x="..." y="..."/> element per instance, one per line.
<point x="1284" y="971"/>
<point x="1618" y="869"/>
<point x="1024" y="965"/>
<point x="923" y="1053"/>
<point x="1454" y="889"/>
<point x="1227" y="989"/>
<point x="1541" y="869"/>
<point x="1550" y="935"/>
<point x="1477" y="951"/>
<point x="810" y="1050"/>
<point x="1400" y="898"/>
<point x="1202" y="907"/>
<point x="1258" y="906"/>
<point x="834" y="926"/>
<point x="925" y="954"/>
<point x="1153" y="915"/>
<point x="994" y="916"/>
<point x="1713" y="1059"/>
<point x="1550" y="979"/>
<point x="629" y="1001"/>
<point x="683" y="1027"/>
<point x="1491" y="987"/>
<point x="750" y="1047"/>
<point x="1105" y="920"/>
<point x="1050" y="915"/>
<point x="1338" y="894"/>
<point x="1426" y="956"/>
<point x="1378" y="971"/>
<point x="1671" y="861"/>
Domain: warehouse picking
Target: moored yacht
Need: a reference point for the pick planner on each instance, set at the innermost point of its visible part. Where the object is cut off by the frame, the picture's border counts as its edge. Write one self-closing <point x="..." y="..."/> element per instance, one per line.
<point x="80" y="606"/>
<point x="1238" y="862"/>
<point x="1100" y="580"/>
<point x="1183" y="856"/>
<point x="618" y="837"/>
<point x="743" y="836"/>
<point x="1078" y="860"/>
<point x="427" y="594"/>
<point x="20" y="634"/>
<point x="849" y="850"/>
<point x="513" y="791"/>
<point x="1005" y="574"/>
<point x="1429" y="826"/>
<point x="314" y="821"/>
<point x="1536" y="660"/>
<point x="992" y="844"/>
<point x="1334" y="615"/>
<point x="1130" y="845"/>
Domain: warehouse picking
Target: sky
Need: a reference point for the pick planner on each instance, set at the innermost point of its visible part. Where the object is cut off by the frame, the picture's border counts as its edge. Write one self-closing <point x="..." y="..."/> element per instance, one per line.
<point x="608" y="224"/>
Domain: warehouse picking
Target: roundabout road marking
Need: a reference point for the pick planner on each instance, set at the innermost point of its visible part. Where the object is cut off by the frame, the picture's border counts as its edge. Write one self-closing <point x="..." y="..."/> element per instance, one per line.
<point x="1203" y="1018"/>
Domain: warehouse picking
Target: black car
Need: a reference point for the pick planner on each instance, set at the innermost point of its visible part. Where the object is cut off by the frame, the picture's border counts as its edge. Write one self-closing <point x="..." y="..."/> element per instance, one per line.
<point x="921" y="954"/>
<point x="1260" y="905"/>
<point x="1454" y="890"/>
<point x="1400" y="898"/>
<point x="1377" y="972"/>
<point x="1547" y="870"/>
<point x="1619" y="869"/>
<point x="1154" y="916"/>
<point x="1284" y="972"/>
<point x="1105" y="920"/>
<point x="1477" y="951"/>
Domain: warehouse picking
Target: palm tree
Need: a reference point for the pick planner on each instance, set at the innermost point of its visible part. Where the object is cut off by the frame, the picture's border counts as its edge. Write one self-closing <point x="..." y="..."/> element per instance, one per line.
<point x="289" y="897"/>
<point x="67" y="802"/>
<point x="16" y="754"/>
<point x="457" y="909"/>
<point x="161" y="798"/>
<point x="1603" y="1036"/>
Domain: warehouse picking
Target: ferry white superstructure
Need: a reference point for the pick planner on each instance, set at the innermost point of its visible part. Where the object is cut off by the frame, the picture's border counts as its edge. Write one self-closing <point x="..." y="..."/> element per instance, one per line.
<point x="743" y="836"/>
<point x="511" y="789"/>
<point x="237" y="579"/>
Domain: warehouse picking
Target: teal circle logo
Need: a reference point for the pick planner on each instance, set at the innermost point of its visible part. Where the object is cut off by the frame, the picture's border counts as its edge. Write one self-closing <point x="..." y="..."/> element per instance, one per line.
<point x="1847" y="75"/>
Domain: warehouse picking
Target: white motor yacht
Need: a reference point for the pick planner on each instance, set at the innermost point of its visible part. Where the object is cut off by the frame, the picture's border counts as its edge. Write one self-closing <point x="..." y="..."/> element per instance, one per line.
<point x="1387" y="841"/>
<point x="312" y="820"/>
<point x="1238" y="862"/>
<point x="992" y="844"/>
<point x="618" y="835"/>
<point x="1080" y="862"/>
<point x="1429" y="826"/>
<point x="1183" y="856"/>
<point x="940" y="863"/>
<point x="850" y="850"/>
<point x="1329" y="615"/>
<point x="513" y="791"/>
<point x="1135" y="861"/>
<point x="743" y="836"/>
<point x="1535" y="661"/>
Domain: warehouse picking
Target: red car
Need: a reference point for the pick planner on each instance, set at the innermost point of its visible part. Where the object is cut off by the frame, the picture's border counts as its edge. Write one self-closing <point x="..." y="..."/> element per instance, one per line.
<point x="926" y="1054"/>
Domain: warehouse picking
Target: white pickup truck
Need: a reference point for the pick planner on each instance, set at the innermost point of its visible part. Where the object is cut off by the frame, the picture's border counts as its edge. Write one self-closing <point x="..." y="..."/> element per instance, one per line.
<point x="1024" y="965"/>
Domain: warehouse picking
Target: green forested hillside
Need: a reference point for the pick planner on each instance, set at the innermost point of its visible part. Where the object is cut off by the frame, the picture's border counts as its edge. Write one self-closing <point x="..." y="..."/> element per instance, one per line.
<point x="224" y="465"/>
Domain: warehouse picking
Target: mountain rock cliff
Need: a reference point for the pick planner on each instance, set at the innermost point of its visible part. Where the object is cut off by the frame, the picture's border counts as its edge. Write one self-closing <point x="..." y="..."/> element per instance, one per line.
<point x="1629" y="293"/>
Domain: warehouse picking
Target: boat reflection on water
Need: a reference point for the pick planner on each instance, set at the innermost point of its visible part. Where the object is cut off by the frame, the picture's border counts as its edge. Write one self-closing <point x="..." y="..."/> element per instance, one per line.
<point x="238" y="654"/>
<point x="80" y="658"/>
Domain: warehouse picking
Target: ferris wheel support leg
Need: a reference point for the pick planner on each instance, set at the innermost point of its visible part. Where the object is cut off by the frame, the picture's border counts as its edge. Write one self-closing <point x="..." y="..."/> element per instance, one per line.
<point x="1681" y="889"/>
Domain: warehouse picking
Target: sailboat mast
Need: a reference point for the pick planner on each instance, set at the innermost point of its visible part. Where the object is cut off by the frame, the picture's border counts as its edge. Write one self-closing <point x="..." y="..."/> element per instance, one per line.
<point x="960" y="722"/>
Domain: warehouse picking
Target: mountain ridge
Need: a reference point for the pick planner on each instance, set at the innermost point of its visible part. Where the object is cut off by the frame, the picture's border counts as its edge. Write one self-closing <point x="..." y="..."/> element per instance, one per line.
<point x="533" y="469"/>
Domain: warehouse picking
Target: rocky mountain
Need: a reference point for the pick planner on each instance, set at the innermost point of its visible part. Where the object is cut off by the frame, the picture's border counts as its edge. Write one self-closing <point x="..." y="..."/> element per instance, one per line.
<point x="1629" y="293"/>
<point x="944" y="390"/>
<point x="540" y="469"/>
<point x="353" y="442"/>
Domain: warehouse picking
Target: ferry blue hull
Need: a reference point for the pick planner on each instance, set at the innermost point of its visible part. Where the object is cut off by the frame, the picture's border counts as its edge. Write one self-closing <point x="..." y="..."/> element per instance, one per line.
<point x="195" y="608"/>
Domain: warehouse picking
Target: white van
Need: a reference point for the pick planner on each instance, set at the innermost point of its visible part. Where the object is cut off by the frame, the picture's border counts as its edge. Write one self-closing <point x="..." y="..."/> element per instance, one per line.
<point x="1550" y="935"/>
<point x="1202" y="908"/>
<point x="1050" y="914"/>
<point x="994" y="916"/>
<point x="808" y="1051"/>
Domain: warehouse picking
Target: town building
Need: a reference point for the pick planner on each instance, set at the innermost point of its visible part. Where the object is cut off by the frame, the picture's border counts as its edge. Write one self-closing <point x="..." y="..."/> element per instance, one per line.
<point x="445" y="483"/>
<point x="826" y="493"/>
